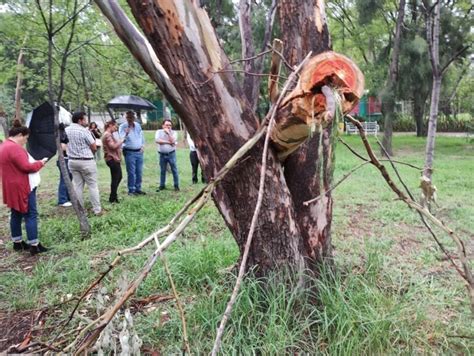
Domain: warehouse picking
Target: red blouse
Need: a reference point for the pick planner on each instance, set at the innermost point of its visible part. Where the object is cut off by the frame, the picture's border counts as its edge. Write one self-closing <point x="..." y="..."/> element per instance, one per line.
<point x="14" y="170"/>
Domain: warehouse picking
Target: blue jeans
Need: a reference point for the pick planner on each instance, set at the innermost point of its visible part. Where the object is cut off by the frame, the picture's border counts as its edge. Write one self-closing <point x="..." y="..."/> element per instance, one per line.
<point x="31" y="221"/>
<point x="134" y="163"/>
<point x="168" y="158"/>
<point x="63" y="195"/>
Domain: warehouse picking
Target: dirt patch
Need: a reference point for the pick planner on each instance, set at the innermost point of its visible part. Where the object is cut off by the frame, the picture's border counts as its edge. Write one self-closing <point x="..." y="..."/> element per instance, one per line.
<point x="360" y="225"/>
<point x="12" y="260"/>
<point x="18" y="328"/>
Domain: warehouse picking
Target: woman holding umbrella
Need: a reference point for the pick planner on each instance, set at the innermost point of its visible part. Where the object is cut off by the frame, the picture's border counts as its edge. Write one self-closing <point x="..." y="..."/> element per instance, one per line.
<point x="18" y="194"/>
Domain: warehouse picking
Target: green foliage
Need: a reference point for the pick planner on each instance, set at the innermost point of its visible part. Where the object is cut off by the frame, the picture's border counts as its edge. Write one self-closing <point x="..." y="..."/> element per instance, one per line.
<point x="109" y="69"/>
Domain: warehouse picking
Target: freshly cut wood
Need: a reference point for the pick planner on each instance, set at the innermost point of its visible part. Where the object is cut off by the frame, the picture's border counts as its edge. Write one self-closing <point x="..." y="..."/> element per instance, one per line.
<point x="311" y="105"/>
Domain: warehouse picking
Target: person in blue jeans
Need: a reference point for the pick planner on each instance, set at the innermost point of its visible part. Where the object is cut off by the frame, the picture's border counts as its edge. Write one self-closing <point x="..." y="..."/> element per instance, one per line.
<point x="63" y="194"/>
<point x="133" y="148"/>
<point x="166" y="139"/>
<point x="19" y="188"/>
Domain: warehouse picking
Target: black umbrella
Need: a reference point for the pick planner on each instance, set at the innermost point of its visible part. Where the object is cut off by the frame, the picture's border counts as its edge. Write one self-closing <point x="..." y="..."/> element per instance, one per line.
<point x="131" y="102"/>
<point x="42" y="142"/>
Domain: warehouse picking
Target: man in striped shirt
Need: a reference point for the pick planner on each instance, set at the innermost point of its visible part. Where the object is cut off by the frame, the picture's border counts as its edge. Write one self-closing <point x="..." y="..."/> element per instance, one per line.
<point x="82" y="165"/>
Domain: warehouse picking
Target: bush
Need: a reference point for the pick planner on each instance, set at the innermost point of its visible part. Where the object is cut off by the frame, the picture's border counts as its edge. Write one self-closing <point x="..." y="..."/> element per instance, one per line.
<point x="462" y="123"/>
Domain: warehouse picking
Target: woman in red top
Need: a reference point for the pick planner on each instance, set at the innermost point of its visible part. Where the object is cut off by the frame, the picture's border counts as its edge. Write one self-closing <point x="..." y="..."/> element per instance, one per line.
<point x="17" y="194"/>
<point x="113" y="156"/>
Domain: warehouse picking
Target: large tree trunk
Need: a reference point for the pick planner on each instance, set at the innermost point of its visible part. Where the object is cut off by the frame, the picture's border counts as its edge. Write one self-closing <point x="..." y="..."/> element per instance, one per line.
<point x="389" y="92"/>
<point x="220" y="120"/>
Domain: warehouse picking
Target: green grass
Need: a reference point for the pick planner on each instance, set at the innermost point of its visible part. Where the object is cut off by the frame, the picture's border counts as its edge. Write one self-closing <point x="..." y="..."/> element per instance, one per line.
<point x="391" y="294"/>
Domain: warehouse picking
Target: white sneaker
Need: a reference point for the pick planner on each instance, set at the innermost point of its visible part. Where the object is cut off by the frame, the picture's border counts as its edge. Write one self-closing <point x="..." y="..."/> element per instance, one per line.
<point x="66" y="204"/>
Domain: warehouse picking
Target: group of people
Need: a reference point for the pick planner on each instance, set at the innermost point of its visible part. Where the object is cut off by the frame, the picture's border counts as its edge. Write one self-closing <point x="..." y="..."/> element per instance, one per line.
<point x="79" y="143"/>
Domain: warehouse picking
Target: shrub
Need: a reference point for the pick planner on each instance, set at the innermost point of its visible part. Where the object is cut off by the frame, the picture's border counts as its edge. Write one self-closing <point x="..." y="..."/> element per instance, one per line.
<point x="461" y="123"/>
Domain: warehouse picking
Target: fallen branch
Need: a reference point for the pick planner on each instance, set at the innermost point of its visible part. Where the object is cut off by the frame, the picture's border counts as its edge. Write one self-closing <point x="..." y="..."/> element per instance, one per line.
<point x="467" y="275"/>
<point x="243" y="263"/>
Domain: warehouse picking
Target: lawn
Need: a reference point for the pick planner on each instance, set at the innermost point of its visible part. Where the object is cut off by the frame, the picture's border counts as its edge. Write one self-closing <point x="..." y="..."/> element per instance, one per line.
<point x="393" y="292"/>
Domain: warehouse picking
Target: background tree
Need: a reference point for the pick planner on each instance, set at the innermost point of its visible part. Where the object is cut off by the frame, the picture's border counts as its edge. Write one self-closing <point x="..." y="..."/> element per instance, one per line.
<point x="389" y="92"/>
<point x="433" y="35"/>
<point x="68" y="24"/>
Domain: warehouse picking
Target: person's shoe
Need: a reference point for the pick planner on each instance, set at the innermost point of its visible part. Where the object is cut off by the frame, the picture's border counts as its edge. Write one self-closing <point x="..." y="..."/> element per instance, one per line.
<point x="115" y="200"/>
<point x="100" y="213"/>
<point x="66" y="204"/>
<point x="35" y="249"/>
<point x="21" y="246"/>
<point x="160" y="189"/>
<point x="139" y="192"/>
<point x="176" y="189"/>
<point x="132" y="193"/>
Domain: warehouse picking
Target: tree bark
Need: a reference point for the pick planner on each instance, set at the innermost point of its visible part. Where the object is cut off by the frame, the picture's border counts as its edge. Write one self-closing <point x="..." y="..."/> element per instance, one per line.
<point x="389" y="95"/>
<point x="220" y="120"/>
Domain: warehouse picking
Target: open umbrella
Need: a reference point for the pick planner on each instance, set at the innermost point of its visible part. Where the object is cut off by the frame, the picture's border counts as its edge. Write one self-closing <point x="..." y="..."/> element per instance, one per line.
<point x="131" y="102"/>
<point x="42" y="140"/>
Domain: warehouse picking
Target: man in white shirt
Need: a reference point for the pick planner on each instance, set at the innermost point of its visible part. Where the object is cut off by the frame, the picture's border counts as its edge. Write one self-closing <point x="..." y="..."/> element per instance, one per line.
<point x="80" y="151"/>
<point x="166" y="140"/>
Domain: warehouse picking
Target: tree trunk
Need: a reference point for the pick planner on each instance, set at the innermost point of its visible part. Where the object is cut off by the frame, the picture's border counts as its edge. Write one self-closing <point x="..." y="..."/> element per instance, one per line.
<point x="419" y="113"/>
<point x="19" y="82"/>
<point x="253" y="66"/>
<point x="432" y="123"/>
<point x="220" y="120"/>
<point x="309" y="170"/>
<point x="389" y="93"/>
<point x="433" y="29"/>
<point x="248" y="51"/>
<point x="3" y="123"/>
